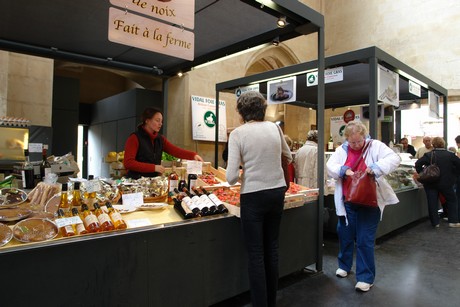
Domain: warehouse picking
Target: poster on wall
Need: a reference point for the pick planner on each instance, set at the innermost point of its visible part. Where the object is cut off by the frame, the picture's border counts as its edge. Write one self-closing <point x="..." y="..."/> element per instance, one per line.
<point x="433" y="103"/>
<point x="387" y="86"/>
<point x="337" y="126"/>
<point x="281" y="91"/>
<point x="204" y="119"/>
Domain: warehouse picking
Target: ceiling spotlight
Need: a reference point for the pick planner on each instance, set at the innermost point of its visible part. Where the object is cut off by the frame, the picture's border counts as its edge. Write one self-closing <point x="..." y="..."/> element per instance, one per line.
<point x="180" y="74"/>
<point x="276" y="41"/>
<point x="281" y="22"/>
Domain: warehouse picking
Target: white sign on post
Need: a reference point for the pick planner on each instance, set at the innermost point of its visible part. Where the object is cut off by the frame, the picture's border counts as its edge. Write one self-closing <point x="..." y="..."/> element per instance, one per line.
<point x="204" y="119"/>
<point x="330" y="75"/>
<point x="387" y="86"/>
<point x="415" y="88"/>
<point x="244" y="89"/>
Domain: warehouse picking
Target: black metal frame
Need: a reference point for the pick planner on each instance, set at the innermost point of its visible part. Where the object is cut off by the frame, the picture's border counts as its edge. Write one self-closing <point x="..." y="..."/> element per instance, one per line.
<point x="373" y="56"/>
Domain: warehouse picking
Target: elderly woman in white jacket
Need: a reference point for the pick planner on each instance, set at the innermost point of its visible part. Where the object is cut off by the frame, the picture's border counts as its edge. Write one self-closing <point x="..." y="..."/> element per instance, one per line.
<point x="358" y="223"/>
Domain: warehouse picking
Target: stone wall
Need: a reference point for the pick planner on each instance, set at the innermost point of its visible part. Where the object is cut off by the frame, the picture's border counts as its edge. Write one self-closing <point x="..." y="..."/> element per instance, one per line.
<point x="26" y="87"/>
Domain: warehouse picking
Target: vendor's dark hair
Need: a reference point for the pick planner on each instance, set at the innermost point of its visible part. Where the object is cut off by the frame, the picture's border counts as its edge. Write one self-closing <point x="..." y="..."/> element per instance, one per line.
<point x="251" y="106"/>
<point x="149" y="113"/>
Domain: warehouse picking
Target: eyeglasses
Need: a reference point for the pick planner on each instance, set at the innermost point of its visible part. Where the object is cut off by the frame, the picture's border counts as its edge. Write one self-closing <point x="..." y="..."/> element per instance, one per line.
<point x="357" y="142"/>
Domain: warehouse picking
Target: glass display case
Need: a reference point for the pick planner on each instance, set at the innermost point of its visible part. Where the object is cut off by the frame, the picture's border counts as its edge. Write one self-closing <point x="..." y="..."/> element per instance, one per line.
<point x="401" y="178"/>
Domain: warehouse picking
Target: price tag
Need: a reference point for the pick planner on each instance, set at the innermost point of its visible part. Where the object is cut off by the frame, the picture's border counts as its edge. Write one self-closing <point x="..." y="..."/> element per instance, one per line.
<point x="194" y="167"/>
<point x="138" y="223"/>
<point x="133" y="199"/>
<point x="66" y="221"/>
<point x="92" y="186"/>
<point x="35" y="147"/>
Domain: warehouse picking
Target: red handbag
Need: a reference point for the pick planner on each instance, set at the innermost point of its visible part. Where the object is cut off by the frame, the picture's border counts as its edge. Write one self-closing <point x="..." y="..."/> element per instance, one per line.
<point x="361" y="187"/>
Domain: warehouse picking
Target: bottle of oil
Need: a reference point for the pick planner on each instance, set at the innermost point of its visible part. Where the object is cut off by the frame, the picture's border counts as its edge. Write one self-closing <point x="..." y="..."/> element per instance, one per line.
<point x="104" y="219"/>
<point x="90" y="192"/>
<point x="76" y="196"/>
<point x="64" y="201"/>
<point x="90" y="220"/>
<point x="68" y="230"/>
<point x="80" y="227"/>
<point x="117" y="220"/>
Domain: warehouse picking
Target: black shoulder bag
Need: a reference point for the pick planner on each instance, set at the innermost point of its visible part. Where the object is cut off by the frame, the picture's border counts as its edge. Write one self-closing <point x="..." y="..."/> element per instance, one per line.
<point x="431" y="173"/>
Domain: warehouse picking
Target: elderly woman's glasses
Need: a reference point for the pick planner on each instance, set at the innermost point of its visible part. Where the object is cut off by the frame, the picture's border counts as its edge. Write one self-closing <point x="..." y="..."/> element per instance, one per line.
<point x="356" y="142"/>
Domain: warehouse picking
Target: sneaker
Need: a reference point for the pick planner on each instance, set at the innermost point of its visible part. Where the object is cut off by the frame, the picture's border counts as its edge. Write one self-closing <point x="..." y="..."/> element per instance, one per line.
<point x="341" y="273"/>
<point x="454" y="225"/>
<point x="363" y="286"/>
<point x="436" y="226"/>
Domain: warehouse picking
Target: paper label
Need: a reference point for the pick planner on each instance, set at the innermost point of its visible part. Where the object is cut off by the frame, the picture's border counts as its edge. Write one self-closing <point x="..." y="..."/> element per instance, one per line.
<point x="138" y="223"/>
<point x="133" y="199"/>
<point x="194" y="167"/>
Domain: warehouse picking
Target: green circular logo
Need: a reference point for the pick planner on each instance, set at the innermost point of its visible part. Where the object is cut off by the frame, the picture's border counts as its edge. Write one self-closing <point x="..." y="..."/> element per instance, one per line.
<point x="209" y="119"/>
<point x="311" y="79"/>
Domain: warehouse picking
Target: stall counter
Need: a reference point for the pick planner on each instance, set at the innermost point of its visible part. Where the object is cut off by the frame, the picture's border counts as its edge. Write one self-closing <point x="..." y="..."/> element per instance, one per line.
<point x="194" y="262"/>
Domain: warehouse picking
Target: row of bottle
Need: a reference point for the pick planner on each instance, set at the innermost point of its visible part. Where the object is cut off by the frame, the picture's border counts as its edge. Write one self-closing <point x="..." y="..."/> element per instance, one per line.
<point x="91" y="221"/>
<point x="201" y="203"/>
<point x="176" y="180"/>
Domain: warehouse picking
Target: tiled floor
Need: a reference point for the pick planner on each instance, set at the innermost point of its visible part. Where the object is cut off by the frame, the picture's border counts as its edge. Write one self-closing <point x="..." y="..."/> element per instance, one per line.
<point x="416" y="266"/>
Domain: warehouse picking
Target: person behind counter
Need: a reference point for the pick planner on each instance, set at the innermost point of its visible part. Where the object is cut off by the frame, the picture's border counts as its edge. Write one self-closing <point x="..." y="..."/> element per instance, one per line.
<point x="406" y="147"/>
<point x="257" y="146"/>
<point x="358" y="224"/>
<point x="423" y="150"/>
<point x="144" y="148"/>
<point x="306" y="160"/>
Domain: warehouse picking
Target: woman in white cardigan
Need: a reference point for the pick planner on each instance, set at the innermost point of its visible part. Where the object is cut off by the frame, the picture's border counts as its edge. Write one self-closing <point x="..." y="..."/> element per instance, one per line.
<point x="358" y="223"/>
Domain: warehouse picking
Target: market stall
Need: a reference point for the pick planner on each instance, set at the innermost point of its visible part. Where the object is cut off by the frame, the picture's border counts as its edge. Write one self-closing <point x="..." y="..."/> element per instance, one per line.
<point x="160" y="259"/>
<point x="357" y="86"/>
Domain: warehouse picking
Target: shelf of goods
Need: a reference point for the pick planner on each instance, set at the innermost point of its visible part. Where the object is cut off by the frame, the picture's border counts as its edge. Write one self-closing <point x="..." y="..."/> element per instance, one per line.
<point x="412" y="204"/>
<point x="145" y="261"/>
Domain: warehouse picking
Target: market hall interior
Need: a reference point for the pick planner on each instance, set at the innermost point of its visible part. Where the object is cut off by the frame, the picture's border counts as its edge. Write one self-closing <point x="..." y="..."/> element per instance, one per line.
<point x="26" y="89"/>
<point x="412" y="262"/>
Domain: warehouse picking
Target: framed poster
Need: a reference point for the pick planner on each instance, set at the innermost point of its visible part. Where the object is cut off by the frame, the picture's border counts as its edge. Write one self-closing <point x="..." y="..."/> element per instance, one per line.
<point x="204" y="119"/>
<point x="281" y="91"/>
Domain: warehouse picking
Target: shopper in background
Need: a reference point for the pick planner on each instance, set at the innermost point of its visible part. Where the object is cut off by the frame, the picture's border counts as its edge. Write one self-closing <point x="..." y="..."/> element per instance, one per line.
<point x="144" y="148"/>
<point x="356" y="223"/>
<point x="457" y="140"/>
<point x="457" y="184"/>
<point x="291" y="168"/>
<point x="257" y="146"/>
<point x="449" y="165"/>
<point x="423" y="150"/>
<point x="407" y="147"/>
<point x="306" y="161"/>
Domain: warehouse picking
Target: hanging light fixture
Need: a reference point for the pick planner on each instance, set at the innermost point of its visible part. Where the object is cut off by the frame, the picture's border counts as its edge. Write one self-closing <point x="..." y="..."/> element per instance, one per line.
<point x="281" y="22"/>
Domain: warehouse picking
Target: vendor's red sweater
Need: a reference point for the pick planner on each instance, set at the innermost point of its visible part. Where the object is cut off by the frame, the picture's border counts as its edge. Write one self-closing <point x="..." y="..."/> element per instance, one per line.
<point x="132" y="145"/>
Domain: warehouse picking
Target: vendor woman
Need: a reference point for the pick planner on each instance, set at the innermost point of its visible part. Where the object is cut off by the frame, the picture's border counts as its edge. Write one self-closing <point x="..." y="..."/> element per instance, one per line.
<point x="144" y="148"/>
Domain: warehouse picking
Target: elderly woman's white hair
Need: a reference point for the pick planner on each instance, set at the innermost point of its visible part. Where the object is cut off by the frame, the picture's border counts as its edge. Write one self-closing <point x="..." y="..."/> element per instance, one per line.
<point x="312" y="135"/>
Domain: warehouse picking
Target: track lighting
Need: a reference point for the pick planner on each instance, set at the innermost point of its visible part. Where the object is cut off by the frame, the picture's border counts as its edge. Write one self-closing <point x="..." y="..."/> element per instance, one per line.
<point x="281" y="22"/>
